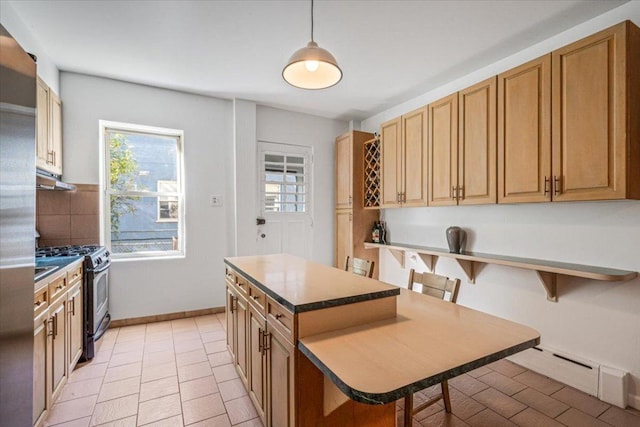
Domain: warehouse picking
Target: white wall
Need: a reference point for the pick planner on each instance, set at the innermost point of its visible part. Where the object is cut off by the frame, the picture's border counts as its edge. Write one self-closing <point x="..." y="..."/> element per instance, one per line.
<point x="274" y="125"/>
<point x="148" y="287"/>
<point x="596" y="320"/>
<point x="47" y="69"/>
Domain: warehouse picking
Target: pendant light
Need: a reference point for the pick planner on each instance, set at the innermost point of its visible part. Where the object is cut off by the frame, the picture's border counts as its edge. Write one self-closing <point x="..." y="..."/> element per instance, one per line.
<point x="312" y="67"/>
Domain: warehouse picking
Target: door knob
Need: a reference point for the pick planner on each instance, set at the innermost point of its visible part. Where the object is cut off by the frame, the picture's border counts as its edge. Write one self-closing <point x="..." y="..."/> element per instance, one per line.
<point x="263" y="235"/>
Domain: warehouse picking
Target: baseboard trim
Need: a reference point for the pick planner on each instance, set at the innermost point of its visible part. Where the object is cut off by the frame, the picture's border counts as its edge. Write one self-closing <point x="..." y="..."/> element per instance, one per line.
<point x="164" y="317"/>
<point x="634" y="401"/>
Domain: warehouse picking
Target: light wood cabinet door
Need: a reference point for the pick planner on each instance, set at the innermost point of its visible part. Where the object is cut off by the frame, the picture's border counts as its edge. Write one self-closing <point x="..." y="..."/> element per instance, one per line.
<point x="55" y="135"/>
<point x="524" y="133"/>
<point x="258" y="361"/>
<point x="43" y="154"/>
<point x="344" y="172"/>
<point x="477" y="144"/>
<point x="391" y="162"/>
<point x="59" y="346"/>
<point x="75" y="324"/>
<point x="343" y="237"/>
<point x="241" y="317"/>
<point x="589" y="120"/>
<point x="443" y="151"/>
<point x="41" y="367"/>
<point x="231" y="322"/>
<point x="280" y="380"/>
<point x="414" y="158"/>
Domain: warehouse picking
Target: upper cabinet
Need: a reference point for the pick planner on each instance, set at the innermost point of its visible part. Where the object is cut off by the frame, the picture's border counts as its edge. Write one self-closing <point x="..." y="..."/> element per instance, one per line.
<point x="344" y="172"/>
<point x="462" y="147"/>
<point x="49" y="130"/>
<point x="595" y="104"/>
<point x="404" y="160"/>
<point x="524" y="133"/>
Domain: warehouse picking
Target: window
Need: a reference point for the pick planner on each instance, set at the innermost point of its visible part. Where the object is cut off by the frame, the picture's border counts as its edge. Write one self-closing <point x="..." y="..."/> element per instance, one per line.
<point x="285" y="182"/>
<point x="143" y="190"/>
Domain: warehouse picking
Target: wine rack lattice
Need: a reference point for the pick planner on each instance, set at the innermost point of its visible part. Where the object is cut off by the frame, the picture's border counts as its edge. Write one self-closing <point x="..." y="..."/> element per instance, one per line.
<point x="372" y="173"/>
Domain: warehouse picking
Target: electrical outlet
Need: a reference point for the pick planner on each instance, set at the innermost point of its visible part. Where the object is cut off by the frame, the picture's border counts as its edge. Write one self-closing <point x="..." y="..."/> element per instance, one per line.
<point x="216" y="201"/>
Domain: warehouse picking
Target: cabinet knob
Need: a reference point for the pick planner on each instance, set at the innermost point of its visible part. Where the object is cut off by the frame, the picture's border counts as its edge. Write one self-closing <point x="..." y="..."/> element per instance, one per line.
<point x="278" y="315"/>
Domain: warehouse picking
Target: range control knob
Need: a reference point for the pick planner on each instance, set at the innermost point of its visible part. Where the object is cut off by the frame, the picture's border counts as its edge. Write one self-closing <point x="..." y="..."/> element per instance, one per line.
<point x="98" y="260"/>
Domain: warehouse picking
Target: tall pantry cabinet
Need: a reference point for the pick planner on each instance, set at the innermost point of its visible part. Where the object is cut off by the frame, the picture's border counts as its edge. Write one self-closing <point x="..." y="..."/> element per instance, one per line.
<point x="353" y="222"/>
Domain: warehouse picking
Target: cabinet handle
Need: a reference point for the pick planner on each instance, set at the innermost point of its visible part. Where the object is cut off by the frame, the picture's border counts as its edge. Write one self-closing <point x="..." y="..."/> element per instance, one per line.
<point x="231" y="303"/>
<point x="50" y="327"/>
<point x="73" y="306"/>
<point x="38" y="303"/>
<point x="404" y="197"/>
<point x="454" y="194"/>
<point x="265" y="344"/>
<point x="55" y="326"/>
<point x="546" y="185"/>
<point x="278" y="316"/>
<point x="460" y="192"/>
<point x="260" y="341"/>
<point x="350" y="199"/>
<point x="556" y="185"/>
<point x="256" y="297"/>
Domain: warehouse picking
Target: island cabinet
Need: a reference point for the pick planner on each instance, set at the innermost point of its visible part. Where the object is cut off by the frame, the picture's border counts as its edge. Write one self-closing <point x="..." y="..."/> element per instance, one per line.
<point x="289" y="298"/>
<point x="404" y="160"/>
<point x="462" y="147"/>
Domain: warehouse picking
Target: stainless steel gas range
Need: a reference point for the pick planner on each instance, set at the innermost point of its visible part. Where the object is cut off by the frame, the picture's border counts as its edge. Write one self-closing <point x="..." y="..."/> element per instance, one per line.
<point x="95" y="287"/>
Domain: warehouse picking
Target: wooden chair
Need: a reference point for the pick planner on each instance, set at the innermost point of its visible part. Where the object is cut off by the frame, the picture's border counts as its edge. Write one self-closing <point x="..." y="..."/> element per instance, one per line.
<point x="359" y="266"/>
<point x="447" y="289"/>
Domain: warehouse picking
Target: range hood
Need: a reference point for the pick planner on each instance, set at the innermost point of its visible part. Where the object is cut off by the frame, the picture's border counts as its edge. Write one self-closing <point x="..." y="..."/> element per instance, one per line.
<point x="47" y="181"/>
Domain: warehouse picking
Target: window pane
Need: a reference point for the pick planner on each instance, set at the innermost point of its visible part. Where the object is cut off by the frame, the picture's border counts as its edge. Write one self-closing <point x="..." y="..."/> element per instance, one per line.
<point x="143" y="224"/>
<point x="138" y="162"/>
<point x="291" y="159"/>
<point x="274" y="158"/>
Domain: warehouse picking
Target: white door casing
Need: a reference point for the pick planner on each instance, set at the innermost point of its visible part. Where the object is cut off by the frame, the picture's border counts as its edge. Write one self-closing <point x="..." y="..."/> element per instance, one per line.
<point x="285" y="199"/>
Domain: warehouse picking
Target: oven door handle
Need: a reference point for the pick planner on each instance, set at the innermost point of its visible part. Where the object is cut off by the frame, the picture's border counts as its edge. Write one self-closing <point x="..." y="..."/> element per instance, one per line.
<point x="100" y="270"/>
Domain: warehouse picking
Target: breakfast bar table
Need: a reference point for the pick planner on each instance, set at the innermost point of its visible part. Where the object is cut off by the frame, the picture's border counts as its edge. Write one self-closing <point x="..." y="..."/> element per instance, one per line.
<point x="356" y="344"/>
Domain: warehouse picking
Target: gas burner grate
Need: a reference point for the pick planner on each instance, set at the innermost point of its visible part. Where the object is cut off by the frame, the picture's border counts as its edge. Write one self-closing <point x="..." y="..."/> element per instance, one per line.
<point x="60" y="251"/>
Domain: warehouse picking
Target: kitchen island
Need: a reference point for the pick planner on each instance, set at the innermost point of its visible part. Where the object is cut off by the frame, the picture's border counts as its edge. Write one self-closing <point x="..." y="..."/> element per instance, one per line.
<point x="315" y="345"/>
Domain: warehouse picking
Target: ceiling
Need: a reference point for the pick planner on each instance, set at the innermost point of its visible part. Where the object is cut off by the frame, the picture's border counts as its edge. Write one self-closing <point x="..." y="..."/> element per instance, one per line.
<point x="389" y="51"/>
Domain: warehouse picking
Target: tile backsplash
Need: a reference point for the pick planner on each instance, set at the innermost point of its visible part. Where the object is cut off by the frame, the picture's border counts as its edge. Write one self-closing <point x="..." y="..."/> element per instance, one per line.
<point x="68" y="217"/>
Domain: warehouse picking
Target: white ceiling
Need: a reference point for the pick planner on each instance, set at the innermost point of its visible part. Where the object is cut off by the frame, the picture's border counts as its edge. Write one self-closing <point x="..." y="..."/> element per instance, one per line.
<point x="389" y="51"/>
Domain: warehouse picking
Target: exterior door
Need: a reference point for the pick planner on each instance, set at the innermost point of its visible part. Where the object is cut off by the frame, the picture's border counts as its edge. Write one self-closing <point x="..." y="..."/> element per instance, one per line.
<point x="285" y="199"/>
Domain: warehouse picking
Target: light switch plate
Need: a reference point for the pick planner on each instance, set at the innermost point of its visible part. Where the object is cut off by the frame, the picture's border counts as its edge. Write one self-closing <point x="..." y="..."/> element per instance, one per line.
<point x="216" y="201"/>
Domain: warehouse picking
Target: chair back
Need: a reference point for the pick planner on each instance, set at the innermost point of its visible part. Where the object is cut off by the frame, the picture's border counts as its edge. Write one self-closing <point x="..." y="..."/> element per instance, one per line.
<point x="435" y="285"/>
<point x="359" y="266"/>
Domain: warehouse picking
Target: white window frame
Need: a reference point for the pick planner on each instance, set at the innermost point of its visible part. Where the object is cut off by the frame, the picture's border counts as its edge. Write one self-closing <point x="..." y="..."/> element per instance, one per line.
<point x="106" y="192"/>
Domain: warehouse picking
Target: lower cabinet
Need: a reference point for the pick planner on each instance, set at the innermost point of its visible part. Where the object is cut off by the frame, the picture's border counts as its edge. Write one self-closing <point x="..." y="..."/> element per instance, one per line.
<point x="59" y="368"/>
<point x="41" y="363"/>
<point x="280" y="379"/>
<point x="76" y="309"/>
<point x="231" y="323"/>
<point x="58" y="321"/>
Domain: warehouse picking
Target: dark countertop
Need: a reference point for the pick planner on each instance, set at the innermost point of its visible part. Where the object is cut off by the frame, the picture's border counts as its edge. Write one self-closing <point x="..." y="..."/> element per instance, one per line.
<point x="60" y="262"/>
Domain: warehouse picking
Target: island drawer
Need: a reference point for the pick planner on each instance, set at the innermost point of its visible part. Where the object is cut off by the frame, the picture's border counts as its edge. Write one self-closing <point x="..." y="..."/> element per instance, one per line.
<point x="242" y="284"/>
<point x="57" y="287"/>
<point x="258" y="299"/>
<point x="40" y="301"/>
<point x="280" y="318"/>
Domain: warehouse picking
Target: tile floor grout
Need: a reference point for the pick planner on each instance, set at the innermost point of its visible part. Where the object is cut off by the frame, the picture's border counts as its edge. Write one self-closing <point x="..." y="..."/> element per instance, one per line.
<point x="188" y="362"/>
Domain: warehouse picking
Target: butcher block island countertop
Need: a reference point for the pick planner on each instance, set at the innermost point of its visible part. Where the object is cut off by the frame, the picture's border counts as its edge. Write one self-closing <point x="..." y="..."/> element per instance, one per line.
<point x="356" y="344"/>
<point x="302" y="285"/>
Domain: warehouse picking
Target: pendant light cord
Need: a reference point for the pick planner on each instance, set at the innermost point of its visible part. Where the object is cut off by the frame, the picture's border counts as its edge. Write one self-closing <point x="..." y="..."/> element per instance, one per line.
<point x="311" y="20"/>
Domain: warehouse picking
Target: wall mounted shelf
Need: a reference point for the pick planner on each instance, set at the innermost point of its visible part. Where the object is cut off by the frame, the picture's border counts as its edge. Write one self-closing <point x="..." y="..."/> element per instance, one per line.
<point x="470" y="262"/>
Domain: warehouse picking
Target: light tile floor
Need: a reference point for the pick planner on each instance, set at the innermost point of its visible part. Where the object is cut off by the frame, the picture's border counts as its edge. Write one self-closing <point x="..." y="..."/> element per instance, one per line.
<point x="179" y="373"/>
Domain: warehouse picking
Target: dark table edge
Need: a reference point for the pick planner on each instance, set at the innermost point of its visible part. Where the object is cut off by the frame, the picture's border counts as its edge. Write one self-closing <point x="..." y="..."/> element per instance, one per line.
<point x="388" y="397"/>
<point x="314" y="305"/>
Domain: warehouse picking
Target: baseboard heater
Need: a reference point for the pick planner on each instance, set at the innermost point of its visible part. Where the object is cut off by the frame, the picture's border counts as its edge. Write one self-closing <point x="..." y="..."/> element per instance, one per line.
<point x="608" y="384"/>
